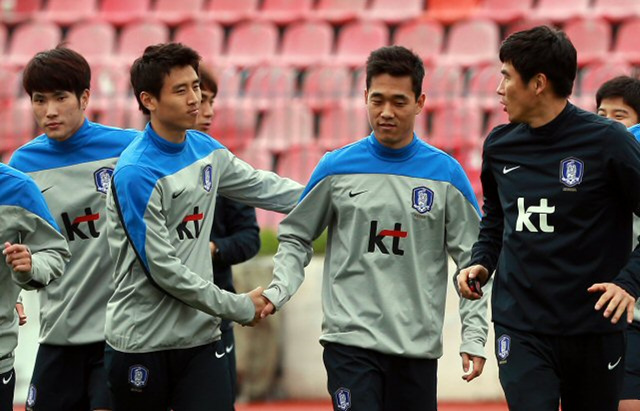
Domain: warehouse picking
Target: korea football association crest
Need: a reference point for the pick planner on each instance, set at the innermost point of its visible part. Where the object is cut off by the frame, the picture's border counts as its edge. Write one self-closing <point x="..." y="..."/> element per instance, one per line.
<point x="31" y="396"/>
<point x="422" y="199"/>
<point x="503" y="347"/>
<point x="138" y="376"/>
<point x="207" y="178"/>
<point x="571" y="171"/>
<point x="102" y="179"/>
<point x="343" y="399"/>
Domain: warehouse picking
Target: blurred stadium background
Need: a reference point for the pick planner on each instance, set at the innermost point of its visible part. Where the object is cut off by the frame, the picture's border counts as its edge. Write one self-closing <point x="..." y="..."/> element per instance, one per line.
<point x="291" y="87"/>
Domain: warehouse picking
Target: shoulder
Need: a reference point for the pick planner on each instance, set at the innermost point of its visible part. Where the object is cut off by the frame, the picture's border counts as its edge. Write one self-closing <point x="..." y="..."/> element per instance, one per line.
<point x="18" y="189"/>
<point x="23" y="157"/>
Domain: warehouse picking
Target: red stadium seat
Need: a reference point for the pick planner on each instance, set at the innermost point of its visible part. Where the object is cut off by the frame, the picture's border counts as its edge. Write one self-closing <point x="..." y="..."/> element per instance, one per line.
<point x="307" y="43"/>
<point x="234" y="124"/>
<point x="592" y="78"/>
<point x="11" y="86"/>
<point x="231" y="11"/>
<point x="284" y="126"/>
<point x="526" y="24"/>
<point x="17" y="125"/>
<point x="30" y="38"/>
<point x="504" y="11"/>
<point x="423" y="37"/>
<point x="108" y="82"/>
<point x="420" y="124"/>
<point x="121" y="12"/>
<point x="268" y="85"/>
<point x="483" y="85"/>
<point x="285" y="11"/>
<point x="174" y="12"/>
<point x="66" y="12"/>
<point x="358" y="39"/>
<point x="136" y="37"/>
<point x="473" y="42"/>
<point x="206" y="38"/>
<point x="13" y="12"/>
<point x="559" y="11"/>
<point x="113" y="114"/>
<point x="323" y="86"/>
<point x="343" y="123"/>
<point x="252" y="43"/>
<point x="393" y="11"/>
<point x="258" y="158"/>
<point x="497" y="116"/>
<point x="3" y="38"/>
<point x="443" y="85"/>
<point x="456" y="127"/>
<point x="299" y="162"/>
<point x="339" y="11"/>
<point x="626" y="45"/>
<point x="229" y="80"/>
<point x="616" y="10"/>
<point x="94" y="40"/>
<point x="591" y="38"/>
<point x="450" y="11"/>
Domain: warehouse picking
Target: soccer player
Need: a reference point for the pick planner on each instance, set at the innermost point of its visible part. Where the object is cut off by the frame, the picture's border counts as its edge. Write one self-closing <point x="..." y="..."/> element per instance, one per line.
<point x="619" y="99"/>
<point x="72" y="163"/>
<point x="235" y="236"/>
<point x="560" y="185"/>
<point x="163" y="321"/>
<point x="34" y="255"/>
<point x="396" y="208"/>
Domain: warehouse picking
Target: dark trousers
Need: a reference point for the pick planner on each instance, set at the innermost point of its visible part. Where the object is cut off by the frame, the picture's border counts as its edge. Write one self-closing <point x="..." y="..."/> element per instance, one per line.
<point x="229" y="341"/>
<point x="190" y="379"/>
<point x="366" y="380"/>
<point x="583" y="372"/>
<point x="7" y="386"/>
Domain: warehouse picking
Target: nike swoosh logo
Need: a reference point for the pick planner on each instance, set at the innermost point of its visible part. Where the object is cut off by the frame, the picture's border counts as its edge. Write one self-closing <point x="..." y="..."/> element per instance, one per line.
<point x="229" y="348"/>
<point x="6" y="381"/>
<point x="176" y="195"/>
<point x="219" y="355"/>
<point x="352" y="194"/>
<point x="506" y="170"/>
<point x="42" y="191"/>
<point x="612" y="366"/>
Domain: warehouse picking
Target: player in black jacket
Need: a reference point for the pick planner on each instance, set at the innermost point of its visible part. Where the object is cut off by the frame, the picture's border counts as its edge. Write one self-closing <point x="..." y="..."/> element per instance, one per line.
<point x="560" y="186"/>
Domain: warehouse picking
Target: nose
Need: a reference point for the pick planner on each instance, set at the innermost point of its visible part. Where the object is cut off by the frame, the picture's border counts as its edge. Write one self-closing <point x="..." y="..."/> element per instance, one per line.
<point x="194" y="97"/>
<point x="500" y="89"/>
<point x="387" y="112"/>
<point x="52" y="110"/>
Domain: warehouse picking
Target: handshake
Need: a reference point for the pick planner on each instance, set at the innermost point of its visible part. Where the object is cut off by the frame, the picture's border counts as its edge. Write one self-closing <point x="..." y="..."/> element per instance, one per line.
<point x="263" y="307"/>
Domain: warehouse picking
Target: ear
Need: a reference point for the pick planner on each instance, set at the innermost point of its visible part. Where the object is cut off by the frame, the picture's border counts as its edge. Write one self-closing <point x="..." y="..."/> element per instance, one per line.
<point x="148" y="101"/>
<point x="420" y="103"/>
<point x="540" y="83"/>
<point x="366" y="96"/>
<point x="84" y="99"/>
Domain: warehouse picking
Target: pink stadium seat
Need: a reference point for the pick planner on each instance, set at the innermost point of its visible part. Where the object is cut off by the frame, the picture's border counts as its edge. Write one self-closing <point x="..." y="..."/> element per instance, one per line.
<point x="136" y="37"/>
<point x="94" y="40"/>
<point x="473" y="42"/>
<point x="591" y="38"/>
<point x="339" y="11"/>
<point x="285" y="126"/>
<point x="258" y="158"/>
<point x="456" y="127"/>
<point x="559" y="11"/>
<point x="30" y="38"/>
<point x="13" y="12"/>
<point x="229" y="79"/>
<point x="17" y="125"/>
<point x="592" y="78"/>
<point x="234" y="124"/>
<point x="307" y="43"/>
<point x="616" y="10"/>
<point x="113" y="114"/>
<point x="285" y="11"/>
<point x="626" y="46"/>
<point x="66" y="12"/>
<point x="206" y="38"/>
<point x="299" y="162"/>
<point x="268" y="85"/>
<point x="121" y="12"/>
<point x="450" y="11"/>
<point x="443" y="85"/>
<point x="108" y="83"/>
<point x="231" y="11"/>
<point x="526" y="24"/>
<point x="252" y="43"/>
<point x="393" y="11"/>
<point x="174" y="12"/>
<point x="497" y="116"/>
<point x="420" y="124"/>
<point x="504" y="11"/>
<point x="3" y="38"/>
<point x="323" y="86"/>
<point x="343" y="123"/>
<point x="268" y="220"/>
<point x="358" y="39"/>
<point x="483" y="85"/>
<point x="423" y="37"/>
<point x="11" y="86"/>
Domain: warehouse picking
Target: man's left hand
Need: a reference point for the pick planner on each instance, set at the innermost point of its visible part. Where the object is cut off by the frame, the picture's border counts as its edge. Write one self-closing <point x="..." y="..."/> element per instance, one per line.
<point x="618" y="301"/>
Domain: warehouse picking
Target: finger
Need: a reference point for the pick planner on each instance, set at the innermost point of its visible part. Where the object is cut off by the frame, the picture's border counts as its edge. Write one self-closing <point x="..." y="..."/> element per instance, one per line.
<point x="23" y="268"/>
<point x="267" y="310"/>
<point x="465" y="362"/>
<point x="620" y="309"/>
<point x="599" y="287"/>
<point x="630" y="307"/>
<point x="604" y="298"/>
<point x="614" y="301"/>
<point x="13" y="248"/>
<point x="21" y="261"/>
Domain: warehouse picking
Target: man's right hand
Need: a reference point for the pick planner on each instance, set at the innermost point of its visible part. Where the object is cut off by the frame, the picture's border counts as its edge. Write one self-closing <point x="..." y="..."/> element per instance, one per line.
<point x="259" y="303"/>
<point x="475" y="272"/>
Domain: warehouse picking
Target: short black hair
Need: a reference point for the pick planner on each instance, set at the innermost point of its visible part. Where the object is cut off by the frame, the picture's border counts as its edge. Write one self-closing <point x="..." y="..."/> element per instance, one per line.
<point x="545" y="50"/>
<point x="397" y="61"/>
<point x="57" y="69"/>
<point x="622" y="86"/>
<point x="157" y="61"/>
<point x="208" y="80"/>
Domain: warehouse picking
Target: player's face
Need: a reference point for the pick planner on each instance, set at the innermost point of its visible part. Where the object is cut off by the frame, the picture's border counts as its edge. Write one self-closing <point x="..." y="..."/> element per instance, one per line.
<point x="205" y="117"/>
<point x="392" y="108"/>
<point x="615" y="108"/>
<point x="517" y="97"/>
<point x="59" y="113"/>
<point x="177" y="108"/>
